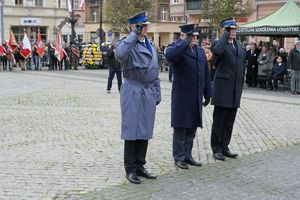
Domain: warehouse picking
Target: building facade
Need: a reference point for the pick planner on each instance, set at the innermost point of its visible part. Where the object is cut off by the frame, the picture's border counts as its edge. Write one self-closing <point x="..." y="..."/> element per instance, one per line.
<point x="161" y="31"/>
<point x="31" y="16"/>
<point x="191" y="12"/>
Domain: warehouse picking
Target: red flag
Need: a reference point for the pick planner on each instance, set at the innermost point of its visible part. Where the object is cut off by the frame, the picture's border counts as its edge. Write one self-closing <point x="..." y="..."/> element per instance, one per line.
<point x="2" y="50"/>
<point x="25" y="49"/>
<point x="12" y="43"/>
<point x="81" y="5"/>
<point x="75" y="50"/>
<point x="70" y="6"/>
<point x="40" y="47"/>
<point x="59" y="53"/>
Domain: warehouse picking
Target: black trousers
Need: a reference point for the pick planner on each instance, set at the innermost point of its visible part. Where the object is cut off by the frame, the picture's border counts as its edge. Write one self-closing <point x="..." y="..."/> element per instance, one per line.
<point x="223" y="120"/>
<point x="183" y="139"/>
<point x="112" y="71"/>
<point x="135" y="155"/>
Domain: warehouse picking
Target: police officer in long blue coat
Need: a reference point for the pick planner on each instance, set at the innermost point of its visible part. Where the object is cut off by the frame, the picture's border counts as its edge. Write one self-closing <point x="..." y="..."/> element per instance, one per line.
<point x="229" y="58"/>
<point x="191" y="82"/>
<point x="140" y="93"/>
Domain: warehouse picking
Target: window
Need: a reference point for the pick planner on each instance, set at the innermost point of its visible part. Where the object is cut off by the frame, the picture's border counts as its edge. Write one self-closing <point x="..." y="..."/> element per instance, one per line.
<point x="175" y="1"/>
<point x="163" y="15"/>
<point x="94" y="12"/>
<point x="31" y="33"/>
<point x="39" y="3"/>
<point x="19" y="2"/>
<point x="65" y="38"/>
<point x="76" y="4"/>
<point x="117" y="35"/>
<point x="173" y="19"/>
<point x="80" y="38"/>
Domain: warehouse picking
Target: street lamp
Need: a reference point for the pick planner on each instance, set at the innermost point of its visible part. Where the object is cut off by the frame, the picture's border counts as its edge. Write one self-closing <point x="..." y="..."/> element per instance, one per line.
<point x="1" y="20"/>
<point x="73" y="20"/>
<point x="100" y="35"/>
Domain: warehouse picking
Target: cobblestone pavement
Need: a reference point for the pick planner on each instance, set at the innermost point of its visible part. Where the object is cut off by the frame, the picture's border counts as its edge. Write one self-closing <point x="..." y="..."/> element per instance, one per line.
<point x="269" y="175"/>
<point x="60" y="136"/>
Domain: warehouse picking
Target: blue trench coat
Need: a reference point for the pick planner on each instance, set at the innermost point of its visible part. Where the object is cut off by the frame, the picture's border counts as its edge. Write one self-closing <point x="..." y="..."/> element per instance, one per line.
<point x="140" y="91"/>
<point x="191" y="82"/>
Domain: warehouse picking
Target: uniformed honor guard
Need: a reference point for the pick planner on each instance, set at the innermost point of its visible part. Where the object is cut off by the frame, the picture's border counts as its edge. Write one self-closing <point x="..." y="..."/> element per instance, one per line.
<point x="229" y="58"/>
<point x="140" y="93"/>
<point x="74" y="55"/>
<point x="191" y="86"/>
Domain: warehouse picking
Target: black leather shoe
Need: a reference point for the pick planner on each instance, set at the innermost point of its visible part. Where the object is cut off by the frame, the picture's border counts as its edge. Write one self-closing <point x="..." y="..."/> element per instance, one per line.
<point x="219" y="156"/>
<point x="133" y="178"/>
<point x="181" y="165"/>
<point x="193" y="162"/>
<point x="144" y="173"/>
<point x="229" y="154"/>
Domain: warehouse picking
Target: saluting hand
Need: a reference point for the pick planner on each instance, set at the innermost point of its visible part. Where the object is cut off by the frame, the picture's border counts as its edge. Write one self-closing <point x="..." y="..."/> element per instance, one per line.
<point x="138" y="28"/>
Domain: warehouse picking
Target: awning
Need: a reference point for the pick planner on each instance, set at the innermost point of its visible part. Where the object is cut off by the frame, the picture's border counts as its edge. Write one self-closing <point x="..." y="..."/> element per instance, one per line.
<point x="283" y="22"/>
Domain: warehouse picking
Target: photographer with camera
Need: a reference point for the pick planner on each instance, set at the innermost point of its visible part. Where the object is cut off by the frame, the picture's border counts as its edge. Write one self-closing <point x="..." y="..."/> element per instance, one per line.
<point x="229" y="57"/>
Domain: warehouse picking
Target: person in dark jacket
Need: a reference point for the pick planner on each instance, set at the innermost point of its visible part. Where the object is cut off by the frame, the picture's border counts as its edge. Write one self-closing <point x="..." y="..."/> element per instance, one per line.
<point x="113" y="67"/>
<point x="278" y="71"/>
<point x="229" y="57"/>
<point x="252" y="65"/>
<point x="294" y="65"/>
<point x="191" y="84"/>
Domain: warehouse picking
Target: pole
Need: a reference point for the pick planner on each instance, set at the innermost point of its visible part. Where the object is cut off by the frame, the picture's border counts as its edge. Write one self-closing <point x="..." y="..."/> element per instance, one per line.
<point x="100" y="35"/>
<point x="73" y="33"/>
<point x="1" y="21"/>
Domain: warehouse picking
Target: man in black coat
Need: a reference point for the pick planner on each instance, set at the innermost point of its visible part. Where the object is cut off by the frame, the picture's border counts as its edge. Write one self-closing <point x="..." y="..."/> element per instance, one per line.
<point x="191" y="84"/>
<point x="114" y="67"/>
<point x="252" y="67"/>
<point x="229" y="57"/>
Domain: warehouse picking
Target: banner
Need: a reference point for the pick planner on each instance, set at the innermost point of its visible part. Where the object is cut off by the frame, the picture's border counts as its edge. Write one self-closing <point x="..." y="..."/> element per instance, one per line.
<point x="40" y="47"/>
<point x="12" y="43"/>
<point x="81" y="5"/>
<point x="25" y="50"/>
<point x="59" y="53"/>
<point x="70" y="6"/>
<point x="2" y="50"/>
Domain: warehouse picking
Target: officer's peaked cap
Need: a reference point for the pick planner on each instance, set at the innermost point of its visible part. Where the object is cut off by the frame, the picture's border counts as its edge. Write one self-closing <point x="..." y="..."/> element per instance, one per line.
<point x="141" y="17"/>
<point x="190" y="29"/>
<point x="229" y="22"/>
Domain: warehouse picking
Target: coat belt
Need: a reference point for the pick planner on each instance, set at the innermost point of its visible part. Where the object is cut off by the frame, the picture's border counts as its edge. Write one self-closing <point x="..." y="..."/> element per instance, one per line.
<point x="138" y="83"/>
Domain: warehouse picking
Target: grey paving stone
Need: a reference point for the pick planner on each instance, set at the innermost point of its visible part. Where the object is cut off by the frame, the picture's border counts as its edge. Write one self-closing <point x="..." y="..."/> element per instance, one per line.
<point x="60" y="137"/>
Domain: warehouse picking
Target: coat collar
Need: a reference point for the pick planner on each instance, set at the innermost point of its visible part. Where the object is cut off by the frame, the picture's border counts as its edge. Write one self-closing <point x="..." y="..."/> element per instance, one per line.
<point x="141" y="48"/>
<point x="191" y="53"/>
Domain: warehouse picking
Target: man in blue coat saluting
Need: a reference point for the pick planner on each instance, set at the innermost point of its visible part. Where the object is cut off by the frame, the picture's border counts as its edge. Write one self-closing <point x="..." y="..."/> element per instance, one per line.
<point x="191" y="82"/>
<point x="140" y="93"/>
<point x="229" y="58"/>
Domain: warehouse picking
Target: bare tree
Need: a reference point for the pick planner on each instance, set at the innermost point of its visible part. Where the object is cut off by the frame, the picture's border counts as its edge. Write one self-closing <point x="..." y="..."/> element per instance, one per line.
<point x="118" y="11"/>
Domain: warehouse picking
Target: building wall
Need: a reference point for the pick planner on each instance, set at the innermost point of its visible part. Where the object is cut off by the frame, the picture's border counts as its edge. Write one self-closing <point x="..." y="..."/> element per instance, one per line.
<point x="48" y="17"/>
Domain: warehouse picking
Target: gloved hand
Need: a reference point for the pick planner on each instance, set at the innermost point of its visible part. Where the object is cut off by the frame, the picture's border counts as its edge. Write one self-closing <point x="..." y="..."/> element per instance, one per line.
<point x="188" y="39"/>
<point x="206" y="101"/>
<point x="138" y="29"/>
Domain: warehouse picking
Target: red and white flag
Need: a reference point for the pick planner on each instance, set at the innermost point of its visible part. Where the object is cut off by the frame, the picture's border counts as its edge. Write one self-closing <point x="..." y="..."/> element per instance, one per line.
<point x="2" y="50"/>
<point x="70" y="6"/>
<point x="12" y="43"/>
<point x="59" y="53"/>
<point x="25" y="50"/>
<point x="40" y="47"/>
<point x="81" y="5"/>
